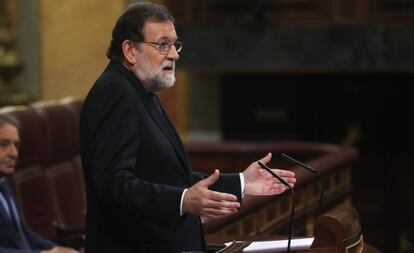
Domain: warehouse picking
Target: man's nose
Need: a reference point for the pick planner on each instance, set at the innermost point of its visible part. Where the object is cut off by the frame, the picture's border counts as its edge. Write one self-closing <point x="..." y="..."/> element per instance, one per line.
<point x="13" y="151"/>
<point x="173" y="54"/>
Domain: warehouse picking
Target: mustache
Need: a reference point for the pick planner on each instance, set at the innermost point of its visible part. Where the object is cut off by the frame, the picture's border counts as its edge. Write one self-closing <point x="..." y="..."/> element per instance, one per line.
<point x="168" y="63"/>
<point x="8" y="160"/>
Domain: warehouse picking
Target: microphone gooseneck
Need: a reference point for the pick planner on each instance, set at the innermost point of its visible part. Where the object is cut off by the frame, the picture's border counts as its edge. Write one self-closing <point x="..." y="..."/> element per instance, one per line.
<point x="283" y="181"/>
<point x="307" y="167"/>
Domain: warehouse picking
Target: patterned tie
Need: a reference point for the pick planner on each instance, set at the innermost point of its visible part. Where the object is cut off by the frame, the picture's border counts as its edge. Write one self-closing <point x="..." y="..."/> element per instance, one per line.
<point x="14" y="215"/>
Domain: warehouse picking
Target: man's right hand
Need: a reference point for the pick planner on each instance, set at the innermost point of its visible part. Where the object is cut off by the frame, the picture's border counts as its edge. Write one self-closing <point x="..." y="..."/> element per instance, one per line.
<point x="201" y="201"/>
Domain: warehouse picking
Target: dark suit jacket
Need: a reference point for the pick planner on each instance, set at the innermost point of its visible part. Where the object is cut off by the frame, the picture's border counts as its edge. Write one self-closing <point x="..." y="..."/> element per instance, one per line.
<point x="136" y="169"/>
<point x="9" y="237"/>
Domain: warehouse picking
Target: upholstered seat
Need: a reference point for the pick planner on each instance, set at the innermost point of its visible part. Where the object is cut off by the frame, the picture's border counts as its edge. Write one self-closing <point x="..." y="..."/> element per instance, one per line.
<point x="33" y="147"/>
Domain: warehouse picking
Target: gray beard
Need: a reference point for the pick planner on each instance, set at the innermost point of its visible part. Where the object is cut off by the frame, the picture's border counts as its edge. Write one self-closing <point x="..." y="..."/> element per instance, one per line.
<point x="156" y="84"/>
<point x="152" y="85"/>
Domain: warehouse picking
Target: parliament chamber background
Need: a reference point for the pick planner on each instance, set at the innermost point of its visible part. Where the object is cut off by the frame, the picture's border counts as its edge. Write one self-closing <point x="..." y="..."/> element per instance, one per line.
<point x="323" y="79"/>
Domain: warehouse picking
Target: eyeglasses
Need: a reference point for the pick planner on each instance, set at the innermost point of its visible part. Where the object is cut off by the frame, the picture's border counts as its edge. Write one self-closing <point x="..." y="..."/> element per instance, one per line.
<point x="165" y="46"/>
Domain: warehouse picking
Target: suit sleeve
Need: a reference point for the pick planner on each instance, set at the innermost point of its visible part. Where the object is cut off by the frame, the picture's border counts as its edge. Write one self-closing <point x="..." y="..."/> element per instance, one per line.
<point x="113" y="140"/>
<point x="39" y="242"/>
<point x="8" y="250"/>
<point x="228" y="182"/>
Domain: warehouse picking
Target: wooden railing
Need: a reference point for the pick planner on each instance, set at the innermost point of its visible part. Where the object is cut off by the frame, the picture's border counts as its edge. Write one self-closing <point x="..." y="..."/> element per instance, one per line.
<point x="270" y="215"/>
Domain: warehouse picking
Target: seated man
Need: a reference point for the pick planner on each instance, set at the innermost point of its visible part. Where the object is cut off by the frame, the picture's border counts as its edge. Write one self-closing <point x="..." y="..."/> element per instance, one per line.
<point x="15" y="237"/>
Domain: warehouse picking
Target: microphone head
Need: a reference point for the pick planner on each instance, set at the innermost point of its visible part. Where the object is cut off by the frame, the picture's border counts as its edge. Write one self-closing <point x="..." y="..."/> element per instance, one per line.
<point x="300" y="164"/>
<point x="296" y="162"/>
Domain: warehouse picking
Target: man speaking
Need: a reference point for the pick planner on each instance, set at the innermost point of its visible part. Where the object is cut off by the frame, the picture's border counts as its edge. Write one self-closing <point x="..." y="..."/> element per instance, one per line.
<point x="142" y="195"/>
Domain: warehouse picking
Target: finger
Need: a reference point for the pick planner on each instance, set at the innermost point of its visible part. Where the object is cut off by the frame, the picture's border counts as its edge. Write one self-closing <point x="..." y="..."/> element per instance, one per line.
<point x="215" y="213"/>
<point x="284" y="173"/>
<point x="211" y="179"/>
<point x="219" y="211"/>
<point x="209" y="202"/>
<point x="221" y="196"/>
<point x="219" y="204"/>
<point x="269" y="179"/>
<point x="266" y="159"/>
<point x="291" y="181"/>
<point x="224" y="204"/>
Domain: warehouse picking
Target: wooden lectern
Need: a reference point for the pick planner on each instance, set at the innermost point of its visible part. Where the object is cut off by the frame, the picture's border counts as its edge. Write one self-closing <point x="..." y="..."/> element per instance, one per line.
<point x="337" y="231"/>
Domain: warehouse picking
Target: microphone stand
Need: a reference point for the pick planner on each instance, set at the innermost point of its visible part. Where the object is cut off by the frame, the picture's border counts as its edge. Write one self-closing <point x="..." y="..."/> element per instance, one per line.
<point x="296" y="162"/>
<point x="265" y="167"/>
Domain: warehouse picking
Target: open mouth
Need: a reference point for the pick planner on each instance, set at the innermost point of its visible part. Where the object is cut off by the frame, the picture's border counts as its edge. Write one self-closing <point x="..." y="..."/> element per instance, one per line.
<point x="168" y="68"/>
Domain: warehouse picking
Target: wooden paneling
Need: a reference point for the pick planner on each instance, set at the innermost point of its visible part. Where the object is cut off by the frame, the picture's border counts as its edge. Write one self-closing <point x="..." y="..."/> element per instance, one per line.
<point x="391" y="11"/>
<point x="291" y="12"/>
<point x="246" y="12"/>
<point x="348" y="11"/>
<point x="276" y="11"/>
<point x="175" y="103"/>
<point x="181" y="9"/>
<point x="74" y="37"/>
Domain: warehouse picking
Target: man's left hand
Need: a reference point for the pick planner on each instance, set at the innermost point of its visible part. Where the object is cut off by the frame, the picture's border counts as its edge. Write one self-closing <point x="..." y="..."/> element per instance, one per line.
<point x="257" y="181"/>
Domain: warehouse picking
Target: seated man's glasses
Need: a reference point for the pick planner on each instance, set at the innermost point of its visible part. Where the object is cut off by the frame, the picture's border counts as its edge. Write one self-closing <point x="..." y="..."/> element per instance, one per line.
<point x="165" y="46"/>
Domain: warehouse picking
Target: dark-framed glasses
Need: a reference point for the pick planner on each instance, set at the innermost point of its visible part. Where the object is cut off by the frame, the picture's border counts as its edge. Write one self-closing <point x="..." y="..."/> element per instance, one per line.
<point x="165" y="46"/>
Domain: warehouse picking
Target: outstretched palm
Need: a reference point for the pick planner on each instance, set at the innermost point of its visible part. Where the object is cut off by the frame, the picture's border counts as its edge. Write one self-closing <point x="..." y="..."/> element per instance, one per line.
<point x="260" y="182"/>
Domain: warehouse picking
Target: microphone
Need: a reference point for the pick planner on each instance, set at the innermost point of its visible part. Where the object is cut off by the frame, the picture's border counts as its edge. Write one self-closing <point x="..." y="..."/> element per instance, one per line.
<point x="307" y="167"/>
<point x="265" y="167"/>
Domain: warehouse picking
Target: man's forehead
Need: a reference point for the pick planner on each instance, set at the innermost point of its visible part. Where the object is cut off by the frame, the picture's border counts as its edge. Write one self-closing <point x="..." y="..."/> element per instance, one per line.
<point x="7" y="129"/>
<point x="158" y="30"/>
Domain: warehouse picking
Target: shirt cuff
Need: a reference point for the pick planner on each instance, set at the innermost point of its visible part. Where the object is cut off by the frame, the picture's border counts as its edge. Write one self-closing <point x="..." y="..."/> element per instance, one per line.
<point x="242" y="184"/>
<point x="181" y="202"/>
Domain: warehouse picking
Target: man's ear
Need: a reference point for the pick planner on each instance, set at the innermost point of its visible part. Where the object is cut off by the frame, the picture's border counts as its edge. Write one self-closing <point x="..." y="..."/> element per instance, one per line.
<point x="129" y="52"/>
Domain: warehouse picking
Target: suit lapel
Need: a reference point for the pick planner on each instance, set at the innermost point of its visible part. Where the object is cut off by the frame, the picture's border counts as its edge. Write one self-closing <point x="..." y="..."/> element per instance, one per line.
<point x="163" y="123"/>
<point x="6" y="221"/>
<point x="169" y="127"/>
<point x="168" y="130"/>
